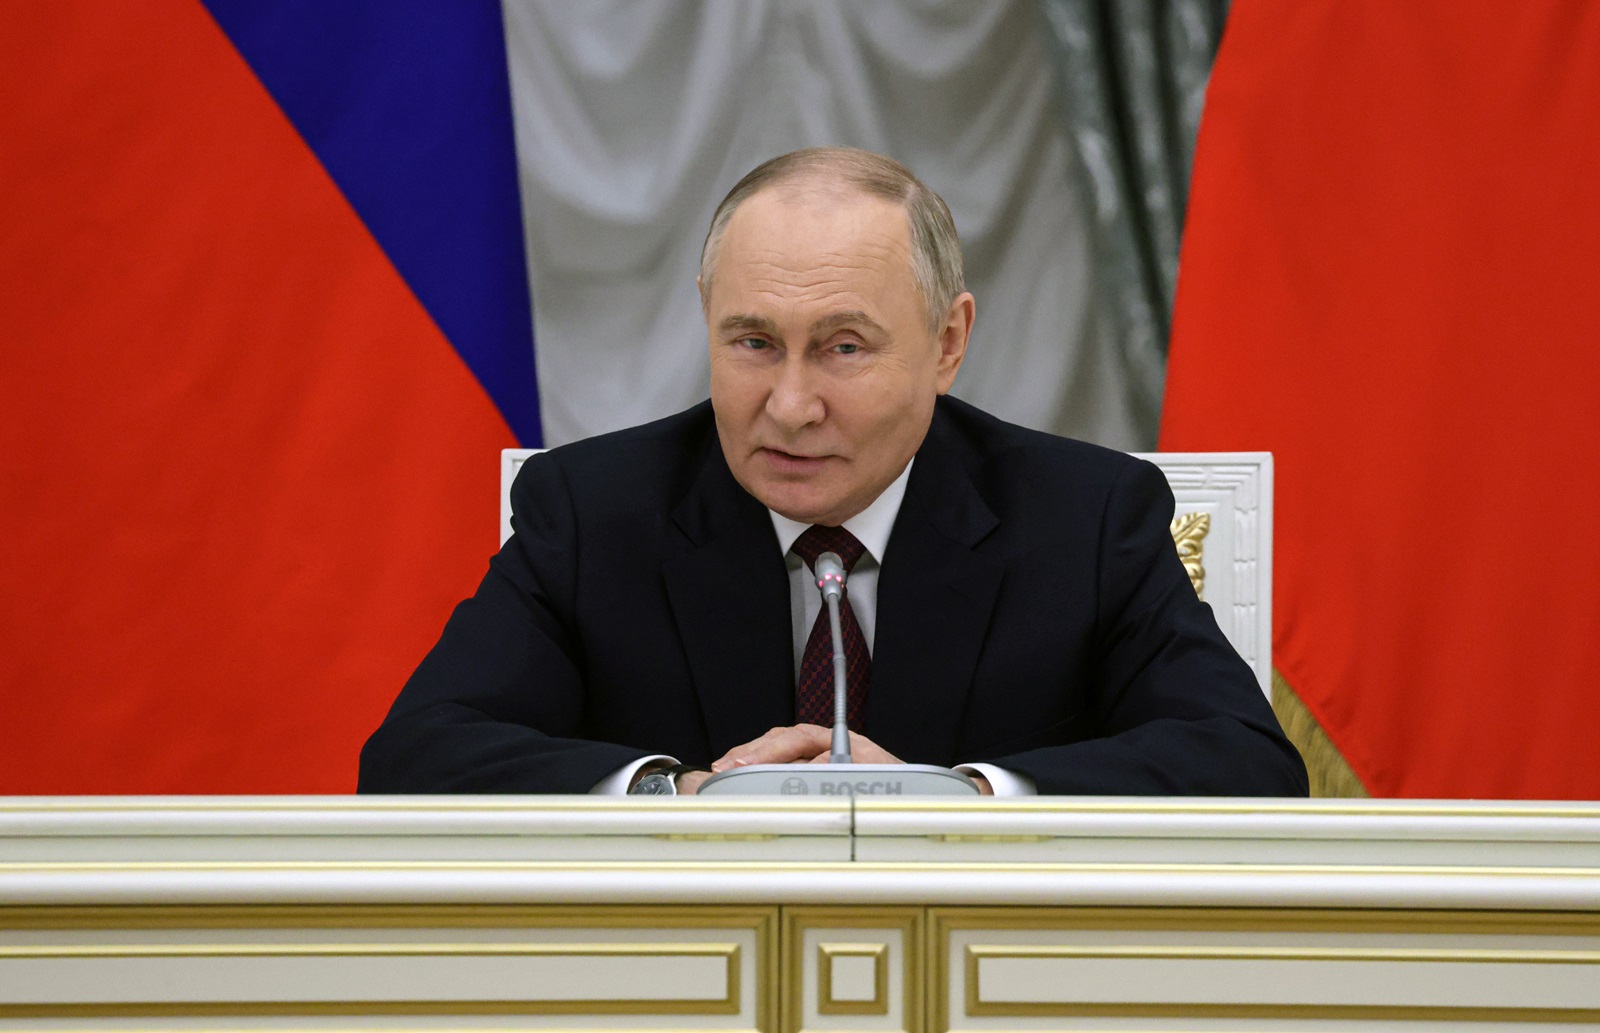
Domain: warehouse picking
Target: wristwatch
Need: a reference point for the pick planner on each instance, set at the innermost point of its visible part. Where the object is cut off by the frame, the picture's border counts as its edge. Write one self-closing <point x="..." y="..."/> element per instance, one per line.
<point x="663" y="781"/>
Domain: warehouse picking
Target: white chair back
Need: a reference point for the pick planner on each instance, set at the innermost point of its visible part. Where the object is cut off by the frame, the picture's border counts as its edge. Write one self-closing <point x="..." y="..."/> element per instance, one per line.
<point x="1223" y="531"/>
<point x="511" y="460"/>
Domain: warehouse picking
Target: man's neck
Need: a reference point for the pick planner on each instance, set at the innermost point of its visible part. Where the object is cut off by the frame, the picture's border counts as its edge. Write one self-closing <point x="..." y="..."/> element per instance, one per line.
<point x="871" y="526"/>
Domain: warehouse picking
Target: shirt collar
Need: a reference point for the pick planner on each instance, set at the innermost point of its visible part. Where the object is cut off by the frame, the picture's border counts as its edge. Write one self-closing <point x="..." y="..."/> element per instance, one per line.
<point x="871" y="526"/>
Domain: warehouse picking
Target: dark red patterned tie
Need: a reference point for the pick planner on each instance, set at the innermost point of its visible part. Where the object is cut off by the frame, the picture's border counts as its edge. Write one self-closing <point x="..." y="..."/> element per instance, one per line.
<point x="814" y="690"/>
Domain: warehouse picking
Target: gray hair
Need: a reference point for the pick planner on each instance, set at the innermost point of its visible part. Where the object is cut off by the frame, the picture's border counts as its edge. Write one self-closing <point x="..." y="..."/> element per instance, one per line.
<point x="936" y="266"/>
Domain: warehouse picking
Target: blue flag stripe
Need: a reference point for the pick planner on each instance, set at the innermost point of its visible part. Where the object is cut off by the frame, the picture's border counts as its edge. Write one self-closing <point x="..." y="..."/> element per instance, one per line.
<point x="407" y="104"/>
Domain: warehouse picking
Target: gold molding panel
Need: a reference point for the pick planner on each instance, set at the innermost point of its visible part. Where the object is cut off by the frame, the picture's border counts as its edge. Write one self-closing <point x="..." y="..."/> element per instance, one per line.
<point x="1263" y="964"/>
<point x="892" y="936"/>
<point x="829" y="954"/>
<point x="710" y="965"/>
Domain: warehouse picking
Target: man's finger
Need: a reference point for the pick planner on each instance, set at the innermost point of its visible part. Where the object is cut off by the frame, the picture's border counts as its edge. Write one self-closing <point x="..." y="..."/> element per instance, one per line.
<point x="779" y="746"/>
<point x="865" y="751"/>
<point x="742" y="749"/>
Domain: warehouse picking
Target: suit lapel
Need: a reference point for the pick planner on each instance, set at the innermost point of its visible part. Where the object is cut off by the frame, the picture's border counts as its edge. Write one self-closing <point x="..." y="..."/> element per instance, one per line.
<point x="730" y="597"/>
<point x="935" y="599"/>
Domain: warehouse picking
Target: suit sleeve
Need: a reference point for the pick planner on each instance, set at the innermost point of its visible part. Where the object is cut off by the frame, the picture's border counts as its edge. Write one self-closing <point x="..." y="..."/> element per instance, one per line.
<point x="1177" y="709"/>
<point x="497" y="704"/>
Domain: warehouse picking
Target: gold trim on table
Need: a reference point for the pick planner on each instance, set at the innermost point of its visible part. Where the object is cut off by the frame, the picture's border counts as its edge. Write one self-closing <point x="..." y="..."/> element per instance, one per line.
<point x="761" y="923"/>
<point x="1292" y="1012"/>
<point x="824" y="867"/>
<point x="976" y="1007"/>
<point x="1448" y="922"/>
<point x="1251" y="807"/>
<point x="1000" y="920"/>
<point x="908" y="921"/>
<point x="729" y="1004"/>
<point x="727" y="951"/>
<point x="761" y="920"/>
<point x="828" y="1004"/>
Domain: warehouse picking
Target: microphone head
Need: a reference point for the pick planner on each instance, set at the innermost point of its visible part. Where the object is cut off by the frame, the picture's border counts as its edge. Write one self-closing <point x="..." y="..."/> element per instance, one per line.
<point x="830" y="573"/>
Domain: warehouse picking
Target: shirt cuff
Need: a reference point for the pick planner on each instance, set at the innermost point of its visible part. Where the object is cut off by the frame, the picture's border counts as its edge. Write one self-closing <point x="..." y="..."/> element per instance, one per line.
<point x="617" y="783"/>
<point x="1003" y="782"/>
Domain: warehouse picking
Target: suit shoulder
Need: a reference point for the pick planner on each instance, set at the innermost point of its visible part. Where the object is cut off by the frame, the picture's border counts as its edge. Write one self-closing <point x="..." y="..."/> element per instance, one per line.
<point x="996" y="448"/>
<point x="650" y="452"/>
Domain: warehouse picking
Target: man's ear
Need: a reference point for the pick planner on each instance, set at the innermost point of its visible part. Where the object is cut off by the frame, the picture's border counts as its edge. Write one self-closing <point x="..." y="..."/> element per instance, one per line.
<point x="953" y="338"/>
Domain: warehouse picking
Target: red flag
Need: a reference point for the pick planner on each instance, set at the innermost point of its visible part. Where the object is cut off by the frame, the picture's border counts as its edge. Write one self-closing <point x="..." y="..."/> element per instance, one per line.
<point x="1389" y="280"/>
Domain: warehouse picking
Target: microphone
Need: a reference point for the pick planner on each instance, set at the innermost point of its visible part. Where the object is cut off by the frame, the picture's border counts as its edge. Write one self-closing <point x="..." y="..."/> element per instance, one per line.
<point x="830" y="576"/>
<point x="802" y="779"/>
<point x="830" y="582"/>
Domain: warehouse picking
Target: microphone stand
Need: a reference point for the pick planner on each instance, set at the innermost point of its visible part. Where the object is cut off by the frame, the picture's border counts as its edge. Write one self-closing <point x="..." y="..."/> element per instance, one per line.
<point x="840" y="776"/>
<point x="830" y="582"/>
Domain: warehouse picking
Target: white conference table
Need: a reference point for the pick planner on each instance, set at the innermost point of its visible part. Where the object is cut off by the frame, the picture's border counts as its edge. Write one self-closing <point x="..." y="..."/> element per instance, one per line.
<point x="618" y="913"/>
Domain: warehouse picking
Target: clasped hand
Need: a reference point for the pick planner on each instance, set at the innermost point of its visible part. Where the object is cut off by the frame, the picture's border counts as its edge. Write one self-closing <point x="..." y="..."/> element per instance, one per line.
<point x="794" y="744"/>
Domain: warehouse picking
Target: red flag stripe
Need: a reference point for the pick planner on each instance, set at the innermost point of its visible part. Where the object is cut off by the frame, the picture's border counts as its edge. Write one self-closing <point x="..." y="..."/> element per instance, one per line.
<point x="238" y="496"/>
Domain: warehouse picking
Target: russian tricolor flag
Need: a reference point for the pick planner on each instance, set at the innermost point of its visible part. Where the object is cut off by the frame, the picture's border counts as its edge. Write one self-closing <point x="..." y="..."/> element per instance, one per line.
<point x="266" y="326"/>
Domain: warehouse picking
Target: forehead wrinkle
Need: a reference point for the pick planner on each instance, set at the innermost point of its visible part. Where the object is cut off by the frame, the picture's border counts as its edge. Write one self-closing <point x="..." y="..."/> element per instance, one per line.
<point x="859" y="254"/>
<point x="833" y="274"/>
<point x="833" y="256"/>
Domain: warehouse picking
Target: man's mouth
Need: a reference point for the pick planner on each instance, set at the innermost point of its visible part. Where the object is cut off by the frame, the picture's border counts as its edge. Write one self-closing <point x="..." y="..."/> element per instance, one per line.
<point x="791" y="462"/>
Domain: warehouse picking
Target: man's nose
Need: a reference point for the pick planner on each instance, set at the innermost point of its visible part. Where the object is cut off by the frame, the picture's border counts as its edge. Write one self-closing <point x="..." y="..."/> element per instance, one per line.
<point x="795" y="403"/>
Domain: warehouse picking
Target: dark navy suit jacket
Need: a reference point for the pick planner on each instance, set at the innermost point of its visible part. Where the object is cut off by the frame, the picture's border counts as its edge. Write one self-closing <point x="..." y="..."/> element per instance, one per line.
<point x="1032" y="612"/>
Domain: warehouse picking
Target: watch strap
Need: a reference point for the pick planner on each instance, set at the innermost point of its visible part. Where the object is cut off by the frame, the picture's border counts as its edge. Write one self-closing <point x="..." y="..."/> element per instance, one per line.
<point x="681" y="769"/>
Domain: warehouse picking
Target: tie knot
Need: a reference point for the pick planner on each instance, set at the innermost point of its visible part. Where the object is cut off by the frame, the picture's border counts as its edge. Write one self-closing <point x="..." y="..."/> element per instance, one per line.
<point x="817" y="539"/>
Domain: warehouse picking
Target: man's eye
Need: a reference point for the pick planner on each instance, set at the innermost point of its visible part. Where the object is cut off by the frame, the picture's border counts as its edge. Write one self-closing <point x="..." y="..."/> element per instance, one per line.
<point x="755" y="343"/>
<point x="847" y="347"/>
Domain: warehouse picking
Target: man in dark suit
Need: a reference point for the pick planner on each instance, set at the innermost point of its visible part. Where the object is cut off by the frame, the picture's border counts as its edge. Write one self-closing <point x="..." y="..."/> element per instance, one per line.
<point x="1017" y="606"/>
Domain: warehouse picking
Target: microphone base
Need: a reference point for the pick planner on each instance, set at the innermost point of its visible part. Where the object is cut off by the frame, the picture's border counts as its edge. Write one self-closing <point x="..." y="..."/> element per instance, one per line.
<point x="839" y="780"/>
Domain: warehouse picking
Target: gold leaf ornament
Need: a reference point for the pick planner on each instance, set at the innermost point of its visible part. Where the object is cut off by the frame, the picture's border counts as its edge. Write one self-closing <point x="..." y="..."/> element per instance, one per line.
<point x="1189" y="532"/>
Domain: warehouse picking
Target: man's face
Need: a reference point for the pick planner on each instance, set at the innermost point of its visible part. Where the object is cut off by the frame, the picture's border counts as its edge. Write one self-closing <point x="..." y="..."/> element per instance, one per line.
<point x="823" y="369"/>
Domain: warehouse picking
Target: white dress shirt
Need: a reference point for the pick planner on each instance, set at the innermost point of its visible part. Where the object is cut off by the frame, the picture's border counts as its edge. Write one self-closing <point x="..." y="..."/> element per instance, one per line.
<point x="871" y="527"/>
